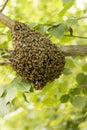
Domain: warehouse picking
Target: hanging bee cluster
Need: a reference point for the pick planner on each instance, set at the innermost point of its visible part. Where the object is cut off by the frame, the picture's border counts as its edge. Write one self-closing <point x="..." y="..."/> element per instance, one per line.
<point x="34" y="57"/>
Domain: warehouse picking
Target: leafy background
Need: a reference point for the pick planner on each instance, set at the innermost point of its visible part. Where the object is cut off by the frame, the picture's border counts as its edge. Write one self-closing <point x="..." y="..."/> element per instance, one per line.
<point x="62" y="104"/>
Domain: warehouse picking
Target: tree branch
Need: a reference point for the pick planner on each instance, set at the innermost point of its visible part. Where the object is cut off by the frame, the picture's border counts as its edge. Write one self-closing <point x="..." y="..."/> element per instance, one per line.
<point x="4" y="5"/>
<point x="6" y="21"/>
<point x="4" y="62"/>
<point x="84" y="17"/>
<point x="75" y="36"/>
<point x="74" y="50"/>
<point x="68" y="50"/>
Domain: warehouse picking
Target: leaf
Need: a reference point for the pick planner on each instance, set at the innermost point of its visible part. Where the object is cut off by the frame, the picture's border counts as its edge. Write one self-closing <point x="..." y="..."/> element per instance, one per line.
<point x="4" y="107"/>
<point x="3" y="45"/>
<point x="67" y="71"/>
<point x="1" y="91"/>
<point x="67" y="4"/>
<point x="24" y="86"/>
<point x="84" y="67"/>
<point x="11" y="94"/>
<point x="79" y="101"/>
<point x="63" y="87"/>
<point x="68" y="1"/>
<point x="32" y="25"/>
<point x="69" y="63"/>
<point x="81" y="78"/>
<point x="9" y="36"/>
<point x="72" y="21"/>
<point x="20" y="84"/>
<point x="74" y="91"/>
<point x="64" y="98"/>
<point x="58" y="31"/>
<point x="42" y="29"/>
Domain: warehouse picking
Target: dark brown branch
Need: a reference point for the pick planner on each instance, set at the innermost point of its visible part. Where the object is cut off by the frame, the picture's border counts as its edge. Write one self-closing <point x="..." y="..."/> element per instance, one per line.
<point x="75" y="36"/>
<point x="4" y="62"/>
<point x="74" y="50"/>
<point x="4" y="5"/>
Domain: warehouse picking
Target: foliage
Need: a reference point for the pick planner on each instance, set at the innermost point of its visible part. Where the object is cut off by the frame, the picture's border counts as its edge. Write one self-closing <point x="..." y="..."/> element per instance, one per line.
<point x="62" y="104"/>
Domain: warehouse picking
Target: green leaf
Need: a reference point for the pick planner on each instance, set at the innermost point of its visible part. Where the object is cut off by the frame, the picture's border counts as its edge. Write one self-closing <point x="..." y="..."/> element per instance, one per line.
<point x="20" y="84"/>
<point x="84" y="67"/>
<point x="32" y="25"/>
<point x="67" y="5"/>
<point x="63" y="86"/>
<point x="11" y="94"/>
<point x="67" y="71"/>
<point x="69" y="63"/>
<point x="79" y="101"/>
<point x="3" y="45"/>
<point x="68" y="1"/>
<point x="1" y="91"/>
<point x="17" y="79"/>
<point x="4" y="107"/>
<point x="42" y="29"/>
<point x="24" y="86"/>
<point x="81" y="78"/>
<point x="58" y="31"/>
<point x="74" y="91"/>
<point x="72" y="21"/>
<point x="64" y="98"/>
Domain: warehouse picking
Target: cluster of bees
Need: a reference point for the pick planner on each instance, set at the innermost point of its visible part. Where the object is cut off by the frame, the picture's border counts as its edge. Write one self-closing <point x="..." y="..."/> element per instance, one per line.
<point x="34" y="57"/>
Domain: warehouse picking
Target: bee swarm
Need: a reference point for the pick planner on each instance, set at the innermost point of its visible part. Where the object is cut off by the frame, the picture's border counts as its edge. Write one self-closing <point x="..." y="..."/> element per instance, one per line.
<point x="34" y="57"/>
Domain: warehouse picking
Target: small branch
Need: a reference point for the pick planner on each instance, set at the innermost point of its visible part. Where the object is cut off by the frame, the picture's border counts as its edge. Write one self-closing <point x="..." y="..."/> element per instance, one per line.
<point x="75" y="36"/>
<point x="4" y="5"/>
<point x="2" y="34"/>
<point x="74" y="50"/>
<point x="4" y="62"/>
<point x="82" y="18"/>
<point x="3" y="55"/>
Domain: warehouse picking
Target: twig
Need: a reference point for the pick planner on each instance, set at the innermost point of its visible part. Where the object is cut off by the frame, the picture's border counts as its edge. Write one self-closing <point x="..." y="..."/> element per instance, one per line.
<point x="4" y="62"/>
<point x="2" y="34"/>
<point x="75" y="36"/>
<point x="4" y="5"/>
<point x="82" y="18"/>
<point x="3" y="55"/>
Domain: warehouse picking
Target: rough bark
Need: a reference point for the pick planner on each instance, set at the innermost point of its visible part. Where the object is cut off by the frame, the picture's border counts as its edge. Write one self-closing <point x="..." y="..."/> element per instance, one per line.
<point x="74" y="50"/>
<point x="4" y="62"/>
<point x="6" y="21"/>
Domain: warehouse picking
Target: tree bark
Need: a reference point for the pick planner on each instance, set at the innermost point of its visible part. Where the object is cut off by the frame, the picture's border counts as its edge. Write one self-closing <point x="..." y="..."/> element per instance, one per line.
<point x="4" y="62"/>
<point x="6" y="21"/>
<point x="74" y="50"/>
